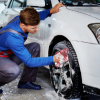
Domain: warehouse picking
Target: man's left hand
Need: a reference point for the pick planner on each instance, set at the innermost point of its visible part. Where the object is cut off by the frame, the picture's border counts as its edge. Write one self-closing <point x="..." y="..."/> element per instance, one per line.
<point x="55" y="9"/>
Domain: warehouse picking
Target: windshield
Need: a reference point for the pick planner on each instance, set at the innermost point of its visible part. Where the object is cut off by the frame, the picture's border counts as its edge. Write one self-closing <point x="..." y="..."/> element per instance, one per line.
<point x="81" y="2"/>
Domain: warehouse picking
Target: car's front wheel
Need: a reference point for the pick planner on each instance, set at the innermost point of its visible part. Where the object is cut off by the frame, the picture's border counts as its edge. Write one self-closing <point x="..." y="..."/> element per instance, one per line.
<point x="66" y="80"/>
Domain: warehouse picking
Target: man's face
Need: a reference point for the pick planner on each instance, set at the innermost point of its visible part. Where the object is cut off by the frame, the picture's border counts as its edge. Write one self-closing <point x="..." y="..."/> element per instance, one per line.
<point x="31" y="29"/>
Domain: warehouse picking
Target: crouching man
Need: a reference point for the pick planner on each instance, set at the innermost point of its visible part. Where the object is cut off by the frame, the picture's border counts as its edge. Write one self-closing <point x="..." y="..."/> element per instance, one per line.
<point x="13" y="51"/>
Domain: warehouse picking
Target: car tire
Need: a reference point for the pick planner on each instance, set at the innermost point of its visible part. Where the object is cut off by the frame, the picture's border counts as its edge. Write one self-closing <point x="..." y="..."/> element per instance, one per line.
<point x="66" y="80"/>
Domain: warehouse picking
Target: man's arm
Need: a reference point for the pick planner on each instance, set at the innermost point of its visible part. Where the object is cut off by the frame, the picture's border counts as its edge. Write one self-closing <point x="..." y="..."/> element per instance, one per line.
<point x="44" y="14"/>
<point x="16" y="44"/>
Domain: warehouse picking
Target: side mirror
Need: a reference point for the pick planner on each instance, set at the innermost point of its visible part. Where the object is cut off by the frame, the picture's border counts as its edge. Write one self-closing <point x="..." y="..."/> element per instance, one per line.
<point x="39" y="3"/>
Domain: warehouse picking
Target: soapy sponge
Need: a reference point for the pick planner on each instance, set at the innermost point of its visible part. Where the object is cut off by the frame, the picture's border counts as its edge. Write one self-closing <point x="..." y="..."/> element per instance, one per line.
<point x="63" y="54"/>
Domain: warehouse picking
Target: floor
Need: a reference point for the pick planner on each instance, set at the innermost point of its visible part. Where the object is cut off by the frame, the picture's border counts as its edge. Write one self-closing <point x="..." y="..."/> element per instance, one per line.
<point x="11" y="92"/>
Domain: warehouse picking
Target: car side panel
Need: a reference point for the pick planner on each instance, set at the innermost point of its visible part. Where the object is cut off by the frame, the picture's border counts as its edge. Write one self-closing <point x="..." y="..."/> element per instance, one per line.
<point x="89" y="61"/>
<point x="86" y="47"/>
<point x="9" y="14"/>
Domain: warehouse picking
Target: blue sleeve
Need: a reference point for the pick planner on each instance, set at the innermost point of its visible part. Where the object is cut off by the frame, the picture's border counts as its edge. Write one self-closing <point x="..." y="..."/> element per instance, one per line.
<point x="44" y="14"/>
<point x="18" y="48"/>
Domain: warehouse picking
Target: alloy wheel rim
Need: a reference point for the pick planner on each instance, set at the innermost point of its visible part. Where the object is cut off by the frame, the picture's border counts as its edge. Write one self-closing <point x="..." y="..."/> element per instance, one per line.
<point x="62" y="78"/>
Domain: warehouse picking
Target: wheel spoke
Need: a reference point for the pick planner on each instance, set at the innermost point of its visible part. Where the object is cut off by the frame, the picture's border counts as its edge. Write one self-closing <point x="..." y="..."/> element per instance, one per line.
<point x="56" y="71"/>
<point x="61" y="86"/>
<point x="66" y="63"/>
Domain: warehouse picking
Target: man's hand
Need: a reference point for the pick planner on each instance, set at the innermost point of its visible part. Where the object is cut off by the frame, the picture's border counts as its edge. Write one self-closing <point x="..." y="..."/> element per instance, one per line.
<point x="55" y="9"/>
<point x="56" y="59"/>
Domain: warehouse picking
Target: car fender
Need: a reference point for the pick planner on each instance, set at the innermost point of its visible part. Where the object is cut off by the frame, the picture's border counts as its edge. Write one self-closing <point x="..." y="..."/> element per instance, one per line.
<point x="74" y="26"/>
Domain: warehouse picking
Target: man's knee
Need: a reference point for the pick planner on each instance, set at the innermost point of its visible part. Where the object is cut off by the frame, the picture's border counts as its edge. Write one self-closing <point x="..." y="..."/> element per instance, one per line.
<point x="38" y="47"/>
<point x="12" y="72"/>
<point x="34" y="49"/>
<point x="16" y="71"/>
<point x="32" y="46"/>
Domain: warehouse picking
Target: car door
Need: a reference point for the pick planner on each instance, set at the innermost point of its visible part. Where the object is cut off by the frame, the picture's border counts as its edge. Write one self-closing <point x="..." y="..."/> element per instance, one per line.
<point x="12" y="10"/>
<point x="39" y="35"/>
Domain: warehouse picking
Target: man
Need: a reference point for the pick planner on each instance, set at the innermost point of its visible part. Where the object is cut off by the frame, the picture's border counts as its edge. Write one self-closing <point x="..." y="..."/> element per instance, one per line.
<point x="26" y="22"/>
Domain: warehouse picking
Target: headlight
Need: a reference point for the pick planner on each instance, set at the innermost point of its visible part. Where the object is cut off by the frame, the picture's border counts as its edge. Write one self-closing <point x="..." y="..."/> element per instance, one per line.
<point x="95" y="28"/>
<point x="98" y="34"/>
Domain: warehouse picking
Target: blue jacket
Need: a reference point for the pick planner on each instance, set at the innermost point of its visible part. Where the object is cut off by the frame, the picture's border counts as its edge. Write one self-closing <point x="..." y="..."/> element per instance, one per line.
<point x="15" y="42"/>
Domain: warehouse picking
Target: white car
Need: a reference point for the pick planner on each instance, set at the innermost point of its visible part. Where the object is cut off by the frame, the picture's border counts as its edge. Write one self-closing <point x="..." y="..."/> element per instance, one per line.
<point x="76" y="27"/>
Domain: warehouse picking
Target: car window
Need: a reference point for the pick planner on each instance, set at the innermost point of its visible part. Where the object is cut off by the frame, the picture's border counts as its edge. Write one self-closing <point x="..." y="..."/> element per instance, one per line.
<point x="17" y="3"/>
<point x="81" y="2"/>
<point x="48" y="5"/>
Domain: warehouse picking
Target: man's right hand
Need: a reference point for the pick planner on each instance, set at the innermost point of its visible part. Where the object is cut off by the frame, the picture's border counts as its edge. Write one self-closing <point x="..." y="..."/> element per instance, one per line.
<point x="56" y="59"/>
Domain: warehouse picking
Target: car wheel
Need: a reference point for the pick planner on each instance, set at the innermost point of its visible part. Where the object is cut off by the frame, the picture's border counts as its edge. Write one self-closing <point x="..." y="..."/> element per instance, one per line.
<point x="66" y="80"/>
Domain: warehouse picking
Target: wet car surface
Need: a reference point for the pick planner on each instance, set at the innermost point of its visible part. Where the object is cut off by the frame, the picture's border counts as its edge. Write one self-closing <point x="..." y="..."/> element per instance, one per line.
<point x="75" y="27"/>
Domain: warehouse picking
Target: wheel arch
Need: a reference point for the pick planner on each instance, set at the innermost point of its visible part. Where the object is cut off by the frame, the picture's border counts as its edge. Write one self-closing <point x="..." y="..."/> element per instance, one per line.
<point x="55" y="40"/>
<point x="60" y="38"/>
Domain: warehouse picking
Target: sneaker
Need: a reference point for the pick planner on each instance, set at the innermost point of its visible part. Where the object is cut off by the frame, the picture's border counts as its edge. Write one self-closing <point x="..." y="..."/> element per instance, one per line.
<point x="29" y="85"/>
<point x="1" y="91"/>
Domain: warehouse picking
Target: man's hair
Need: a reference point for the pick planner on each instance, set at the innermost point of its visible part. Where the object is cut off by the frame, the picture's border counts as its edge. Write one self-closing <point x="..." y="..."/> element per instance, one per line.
<point x="29" y="16"/>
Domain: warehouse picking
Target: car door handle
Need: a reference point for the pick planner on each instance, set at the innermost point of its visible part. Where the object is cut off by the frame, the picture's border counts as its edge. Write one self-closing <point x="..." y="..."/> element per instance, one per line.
<point x="49" y="25"/>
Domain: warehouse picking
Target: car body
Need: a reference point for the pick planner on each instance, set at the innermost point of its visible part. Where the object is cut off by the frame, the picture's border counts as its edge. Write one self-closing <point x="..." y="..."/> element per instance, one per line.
<point x="72" y="23"/>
